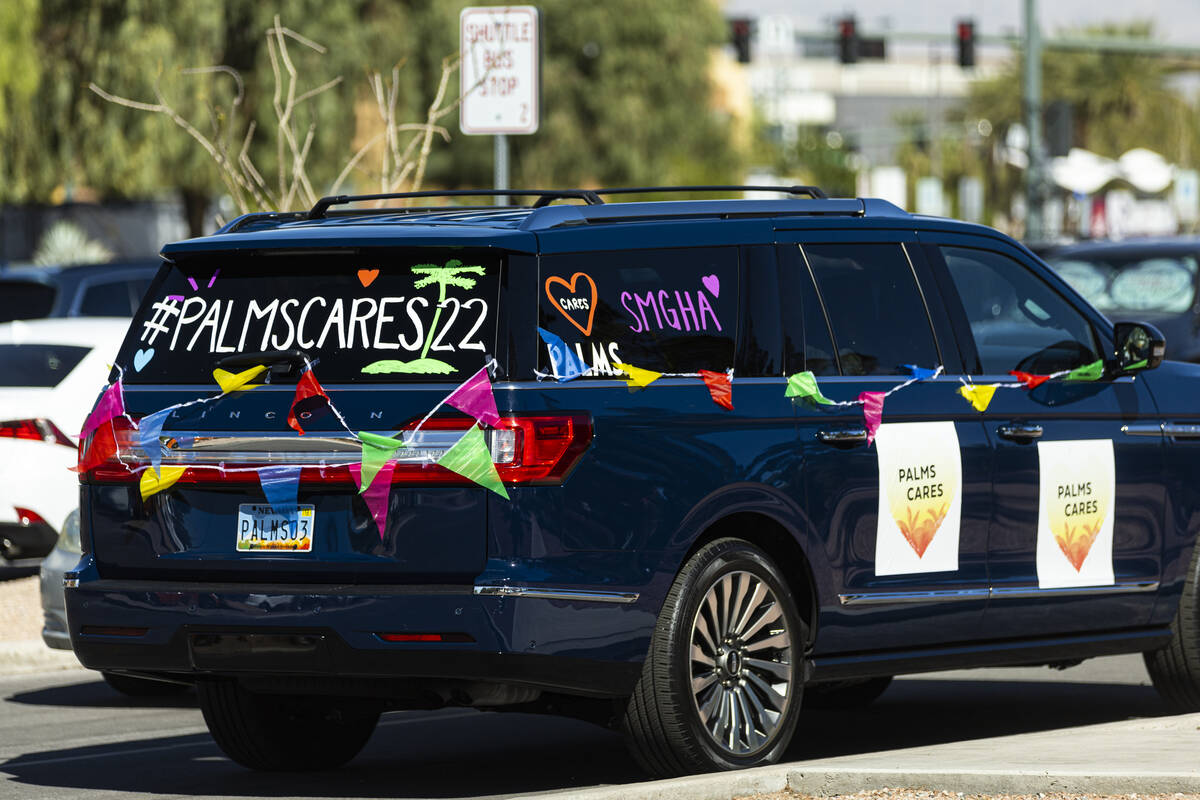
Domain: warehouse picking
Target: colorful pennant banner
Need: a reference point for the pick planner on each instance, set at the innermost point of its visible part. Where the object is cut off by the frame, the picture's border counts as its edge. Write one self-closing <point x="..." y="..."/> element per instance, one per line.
<point x="872" y="412"/>
<point x="232" y="382"/>
<point x="979" y="396"/>
<point x="307" y="388"/>
<point x="149" y="431"/>
<point x="471" y="458"/>
<point x="803" y="386"/>
<point x="154" y="481"/>
<point x="567" y="365"/>
<point x="376" y="451"/>
<point x="110" y="405"/>
<point x="377" y="495"/>
<point x="1088" y="372"/>
<point x="720" y="386"/>
<point x="281" y="486"/>
<point x="474" y="397"/>
<point x="636" y="376"/>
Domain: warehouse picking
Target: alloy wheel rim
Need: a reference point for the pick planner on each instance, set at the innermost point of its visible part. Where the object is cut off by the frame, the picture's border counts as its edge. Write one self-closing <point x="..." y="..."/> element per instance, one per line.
<point x="740" y="659"/>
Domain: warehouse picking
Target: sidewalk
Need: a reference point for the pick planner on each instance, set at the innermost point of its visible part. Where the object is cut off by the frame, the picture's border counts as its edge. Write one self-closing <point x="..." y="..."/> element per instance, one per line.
<point x="21" y="646"/>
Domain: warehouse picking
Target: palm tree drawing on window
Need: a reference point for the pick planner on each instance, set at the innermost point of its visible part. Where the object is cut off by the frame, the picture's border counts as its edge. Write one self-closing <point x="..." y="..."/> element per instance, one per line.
<point x="454" y="273"/>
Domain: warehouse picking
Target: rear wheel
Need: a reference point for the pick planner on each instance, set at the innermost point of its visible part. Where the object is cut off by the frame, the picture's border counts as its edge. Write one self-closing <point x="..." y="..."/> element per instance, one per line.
<point x="142" y="687"/>
<point x="283" y="732"/>
<point x="845" y="694"/>
<point x="720" y="687"/>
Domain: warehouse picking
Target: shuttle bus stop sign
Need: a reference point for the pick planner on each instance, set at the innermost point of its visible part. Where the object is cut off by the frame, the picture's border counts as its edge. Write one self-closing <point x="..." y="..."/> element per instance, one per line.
<point x="499" y="75"/>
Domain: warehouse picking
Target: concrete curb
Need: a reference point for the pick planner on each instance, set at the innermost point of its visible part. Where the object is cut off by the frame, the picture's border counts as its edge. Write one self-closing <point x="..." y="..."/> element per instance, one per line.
<point x="831" y="781"/>
<point x="32" y="655"/>
<point x="827" y="781"/>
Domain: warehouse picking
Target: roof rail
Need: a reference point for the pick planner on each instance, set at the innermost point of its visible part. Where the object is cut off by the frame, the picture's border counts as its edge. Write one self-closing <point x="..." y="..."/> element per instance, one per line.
<point x="544" y="197"/>
<point x="814" y="192"/>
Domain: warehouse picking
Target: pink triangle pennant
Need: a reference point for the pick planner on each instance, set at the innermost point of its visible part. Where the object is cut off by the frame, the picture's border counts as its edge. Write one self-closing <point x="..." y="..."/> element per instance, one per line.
<point x="475" y="397"/>
<point x="110" y="405"/>
<point x="872" y="412"/>
<point x="377" y="494"/>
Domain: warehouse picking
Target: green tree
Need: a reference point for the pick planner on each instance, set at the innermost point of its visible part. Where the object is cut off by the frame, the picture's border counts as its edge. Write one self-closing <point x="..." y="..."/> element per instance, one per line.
<point x="1119" y="101"/>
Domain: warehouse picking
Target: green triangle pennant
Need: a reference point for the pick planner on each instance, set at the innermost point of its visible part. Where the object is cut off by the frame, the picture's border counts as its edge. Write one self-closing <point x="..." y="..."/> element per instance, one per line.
<point x="1088" y="372"/>
<point x="804" y="385"/>
<point x="471" y="458"/>
<point x="376" y="451"/>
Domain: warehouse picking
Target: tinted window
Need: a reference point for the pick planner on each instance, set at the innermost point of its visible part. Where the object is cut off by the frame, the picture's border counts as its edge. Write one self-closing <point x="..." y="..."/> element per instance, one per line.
<point x="25" y="300"/>
<point x="109" y="299"/>
<point x="665" y="310"/>
<point x="1018" y="321"/>
<point x="874" y="307"/>
<point x="38" y="364"/>
<point x="384" y="315"/>
<point x="807" y="345"/>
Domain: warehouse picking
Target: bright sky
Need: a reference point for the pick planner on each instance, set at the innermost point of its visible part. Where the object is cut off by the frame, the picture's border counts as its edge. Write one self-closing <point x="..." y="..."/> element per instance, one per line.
<point x="1176" y="21"/>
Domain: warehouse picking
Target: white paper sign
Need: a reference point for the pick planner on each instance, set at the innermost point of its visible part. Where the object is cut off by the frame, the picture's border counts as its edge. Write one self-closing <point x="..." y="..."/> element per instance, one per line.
<point x="920" y="498"/>
<point x="499" y="73"/>
<point x="1075" y="513"/>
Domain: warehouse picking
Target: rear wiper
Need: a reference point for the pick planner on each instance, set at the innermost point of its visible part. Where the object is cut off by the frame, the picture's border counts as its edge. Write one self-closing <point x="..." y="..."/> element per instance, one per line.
<point x="281" y="363"/>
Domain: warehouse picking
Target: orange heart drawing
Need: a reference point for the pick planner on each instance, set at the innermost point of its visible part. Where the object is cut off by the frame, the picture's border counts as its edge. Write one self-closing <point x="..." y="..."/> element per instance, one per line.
<point x="367" y="276"/>
<point x="571" y="302"/>
<point x="1077" y="542"/>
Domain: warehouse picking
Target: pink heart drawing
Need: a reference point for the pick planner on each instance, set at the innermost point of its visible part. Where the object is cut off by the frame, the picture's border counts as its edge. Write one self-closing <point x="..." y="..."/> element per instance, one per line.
<point x="713" y="284"/>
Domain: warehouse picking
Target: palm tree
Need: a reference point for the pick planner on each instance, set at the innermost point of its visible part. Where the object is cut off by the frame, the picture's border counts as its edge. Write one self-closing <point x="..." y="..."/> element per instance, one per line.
<point x="449" y="275"/>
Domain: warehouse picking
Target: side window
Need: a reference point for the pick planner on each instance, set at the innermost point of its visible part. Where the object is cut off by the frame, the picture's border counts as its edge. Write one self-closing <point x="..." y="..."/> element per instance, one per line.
<point x="874" y="306"/>
<point x="667" y="310"/>
<point x="106" y="300"/>
<point x="807" y="345"/>
<point x="1017" y="320"/>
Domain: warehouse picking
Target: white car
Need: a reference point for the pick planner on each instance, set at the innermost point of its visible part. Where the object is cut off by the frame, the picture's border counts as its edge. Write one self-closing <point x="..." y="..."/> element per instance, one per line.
<point x="51" y="372"/>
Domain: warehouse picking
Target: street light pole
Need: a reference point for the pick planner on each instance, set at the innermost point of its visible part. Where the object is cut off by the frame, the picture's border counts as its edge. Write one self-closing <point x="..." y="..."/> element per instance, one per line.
<point x="1032" y="102"/>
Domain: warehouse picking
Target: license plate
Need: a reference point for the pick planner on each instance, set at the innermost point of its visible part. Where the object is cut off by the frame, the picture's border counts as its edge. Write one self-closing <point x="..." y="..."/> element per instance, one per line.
<point x="260" y="528"/>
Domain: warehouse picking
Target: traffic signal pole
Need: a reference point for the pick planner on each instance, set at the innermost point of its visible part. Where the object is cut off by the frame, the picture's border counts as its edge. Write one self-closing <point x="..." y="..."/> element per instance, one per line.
<point x="1032" y="105"/>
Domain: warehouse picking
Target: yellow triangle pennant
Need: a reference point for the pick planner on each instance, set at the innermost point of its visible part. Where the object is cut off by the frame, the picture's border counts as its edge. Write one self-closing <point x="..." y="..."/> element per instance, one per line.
<point x="154" y="482"/>
<point x="978" y="396"/>
<point x="232" y="382"/>
<point x="637" y="375"/>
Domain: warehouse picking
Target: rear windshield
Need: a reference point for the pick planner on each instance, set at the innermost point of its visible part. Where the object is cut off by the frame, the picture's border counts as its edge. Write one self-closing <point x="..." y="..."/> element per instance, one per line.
<point x="1164" y="284"/>
<point x="38" y="364"/>
<point x="381" y="315"/>
<point x="25" y="300"/>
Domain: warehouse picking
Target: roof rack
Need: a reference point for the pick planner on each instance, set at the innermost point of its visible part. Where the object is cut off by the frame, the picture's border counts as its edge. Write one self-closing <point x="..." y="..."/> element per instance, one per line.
<point x="544" y="197"/>
<point x="815" y="192"/>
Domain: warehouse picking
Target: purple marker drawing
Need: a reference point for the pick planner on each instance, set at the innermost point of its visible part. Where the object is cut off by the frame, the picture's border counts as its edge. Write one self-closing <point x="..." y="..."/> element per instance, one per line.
<point x="192" y="281"/>
<point x="176" y="297"/>
<point x="213" y="279"/>
<point x="713" y="284"/>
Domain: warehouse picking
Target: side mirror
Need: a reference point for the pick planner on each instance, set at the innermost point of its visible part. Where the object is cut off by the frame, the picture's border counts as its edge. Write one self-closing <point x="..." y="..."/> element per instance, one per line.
<point x="1137" y="345"/>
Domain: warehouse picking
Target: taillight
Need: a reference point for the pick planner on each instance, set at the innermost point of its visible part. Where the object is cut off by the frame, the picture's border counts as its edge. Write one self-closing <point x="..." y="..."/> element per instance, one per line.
<point x="38" y="430"/>
<point x="534" y="449"/>
<point x="28" y="517"/>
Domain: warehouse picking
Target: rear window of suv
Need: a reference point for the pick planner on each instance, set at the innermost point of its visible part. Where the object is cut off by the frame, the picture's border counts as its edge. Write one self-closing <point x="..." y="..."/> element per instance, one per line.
<point x="411" y="315"/>
<point x="38" y="364"/>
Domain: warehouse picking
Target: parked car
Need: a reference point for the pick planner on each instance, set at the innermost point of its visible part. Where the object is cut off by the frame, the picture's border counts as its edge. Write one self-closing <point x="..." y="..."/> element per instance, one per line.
<point x="65" y="556"/>
<point x="1151" y="279"/>
<point x="658" y="549"/>
<point x="112" y="289"/>
<point x="48" y="373"/>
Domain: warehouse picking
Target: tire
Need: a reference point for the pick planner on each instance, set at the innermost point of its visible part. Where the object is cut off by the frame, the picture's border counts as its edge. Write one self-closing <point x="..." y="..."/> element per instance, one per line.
<point x="1175" y="669"/>
<point x="749" y="669"/>
<point x="284" y="733"/>
<point x="143" y="687"/>
<point x="845" y="694"/>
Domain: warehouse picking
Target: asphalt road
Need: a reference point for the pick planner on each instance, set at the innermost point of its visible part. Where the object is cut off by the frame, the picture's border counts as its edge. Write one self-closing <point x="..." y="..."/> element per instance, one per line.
<point x="67" y="735"/>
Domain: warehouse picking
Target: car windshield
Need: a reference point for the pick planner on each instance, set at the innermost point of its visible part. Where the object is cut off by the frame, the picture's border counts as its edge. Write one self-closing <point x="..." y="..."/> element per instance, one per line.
<point x="38" y="364"/>
<point x="1162" y="283"/>
<point x="25" y="299"/>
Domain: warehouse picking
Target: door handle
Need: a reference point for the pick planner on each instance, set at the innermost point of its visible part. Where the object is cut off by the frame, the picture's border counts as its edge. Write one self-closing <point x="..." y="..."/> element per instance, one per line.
<point x="843" y="436"/>
<point x="1019" y="432"/>
<point x="1181" y="430"/>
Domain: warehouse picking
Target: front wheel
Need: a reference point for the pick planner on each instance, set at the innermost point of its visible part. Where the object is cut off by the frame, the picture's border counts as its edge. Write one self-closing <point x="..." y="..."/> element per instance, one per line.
<point x="285" y="733"/>
<point x="720" y="688"/>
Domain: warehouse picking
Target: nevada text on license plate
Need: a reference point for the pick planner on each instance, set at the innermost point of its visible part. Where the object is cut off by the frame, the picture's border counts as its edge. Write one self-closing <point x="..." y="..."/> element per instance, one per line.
<point x="259" y="528"/>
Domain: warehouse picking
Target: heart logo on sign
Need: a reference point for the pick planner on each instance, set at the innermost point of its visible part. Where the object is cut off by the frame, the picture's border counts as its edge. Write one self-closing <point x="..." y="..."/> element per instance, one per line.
<point x="367" y="276"/>
<point x="141" y="358"/>
<point x="920" y="524"/>
<point x="573" y="300"/>
<point x="713" y="284"/>
<point x="1076" y="542"/>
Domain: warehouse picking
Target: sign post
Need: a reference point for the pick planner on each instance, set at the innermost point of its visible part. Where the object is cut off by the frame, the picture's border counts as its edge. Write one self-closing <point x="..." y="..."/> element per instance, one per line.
<point x="499" y="78"/>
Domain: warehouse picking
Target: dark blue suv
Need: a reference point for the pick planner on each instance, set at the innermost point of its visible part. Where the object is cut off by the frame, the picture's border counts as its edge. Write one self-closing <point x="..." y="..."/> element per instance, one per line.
<point x="744" y="453"/>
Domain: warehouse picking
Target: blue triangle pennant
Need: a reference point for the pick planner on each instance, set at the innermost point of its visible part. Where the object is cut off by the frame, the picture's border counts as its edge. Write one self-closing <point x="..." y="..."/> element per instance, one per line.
<point x="567" y="365"/>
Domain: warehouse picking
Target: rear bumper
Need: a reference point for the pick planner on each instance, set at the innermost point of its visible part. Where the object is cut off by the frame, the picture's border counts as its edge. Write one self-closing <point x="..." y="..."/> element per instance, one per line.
<point x="320" y="631"/>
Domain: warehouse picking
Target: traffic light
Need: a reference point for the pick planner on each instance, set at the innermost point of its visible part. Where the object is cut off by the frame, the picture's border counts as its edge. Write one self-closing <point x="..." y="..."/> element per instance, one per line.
<point x="848" y="40"/>
<point x="966" y="43"/>
<point x="739" y="30"/>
